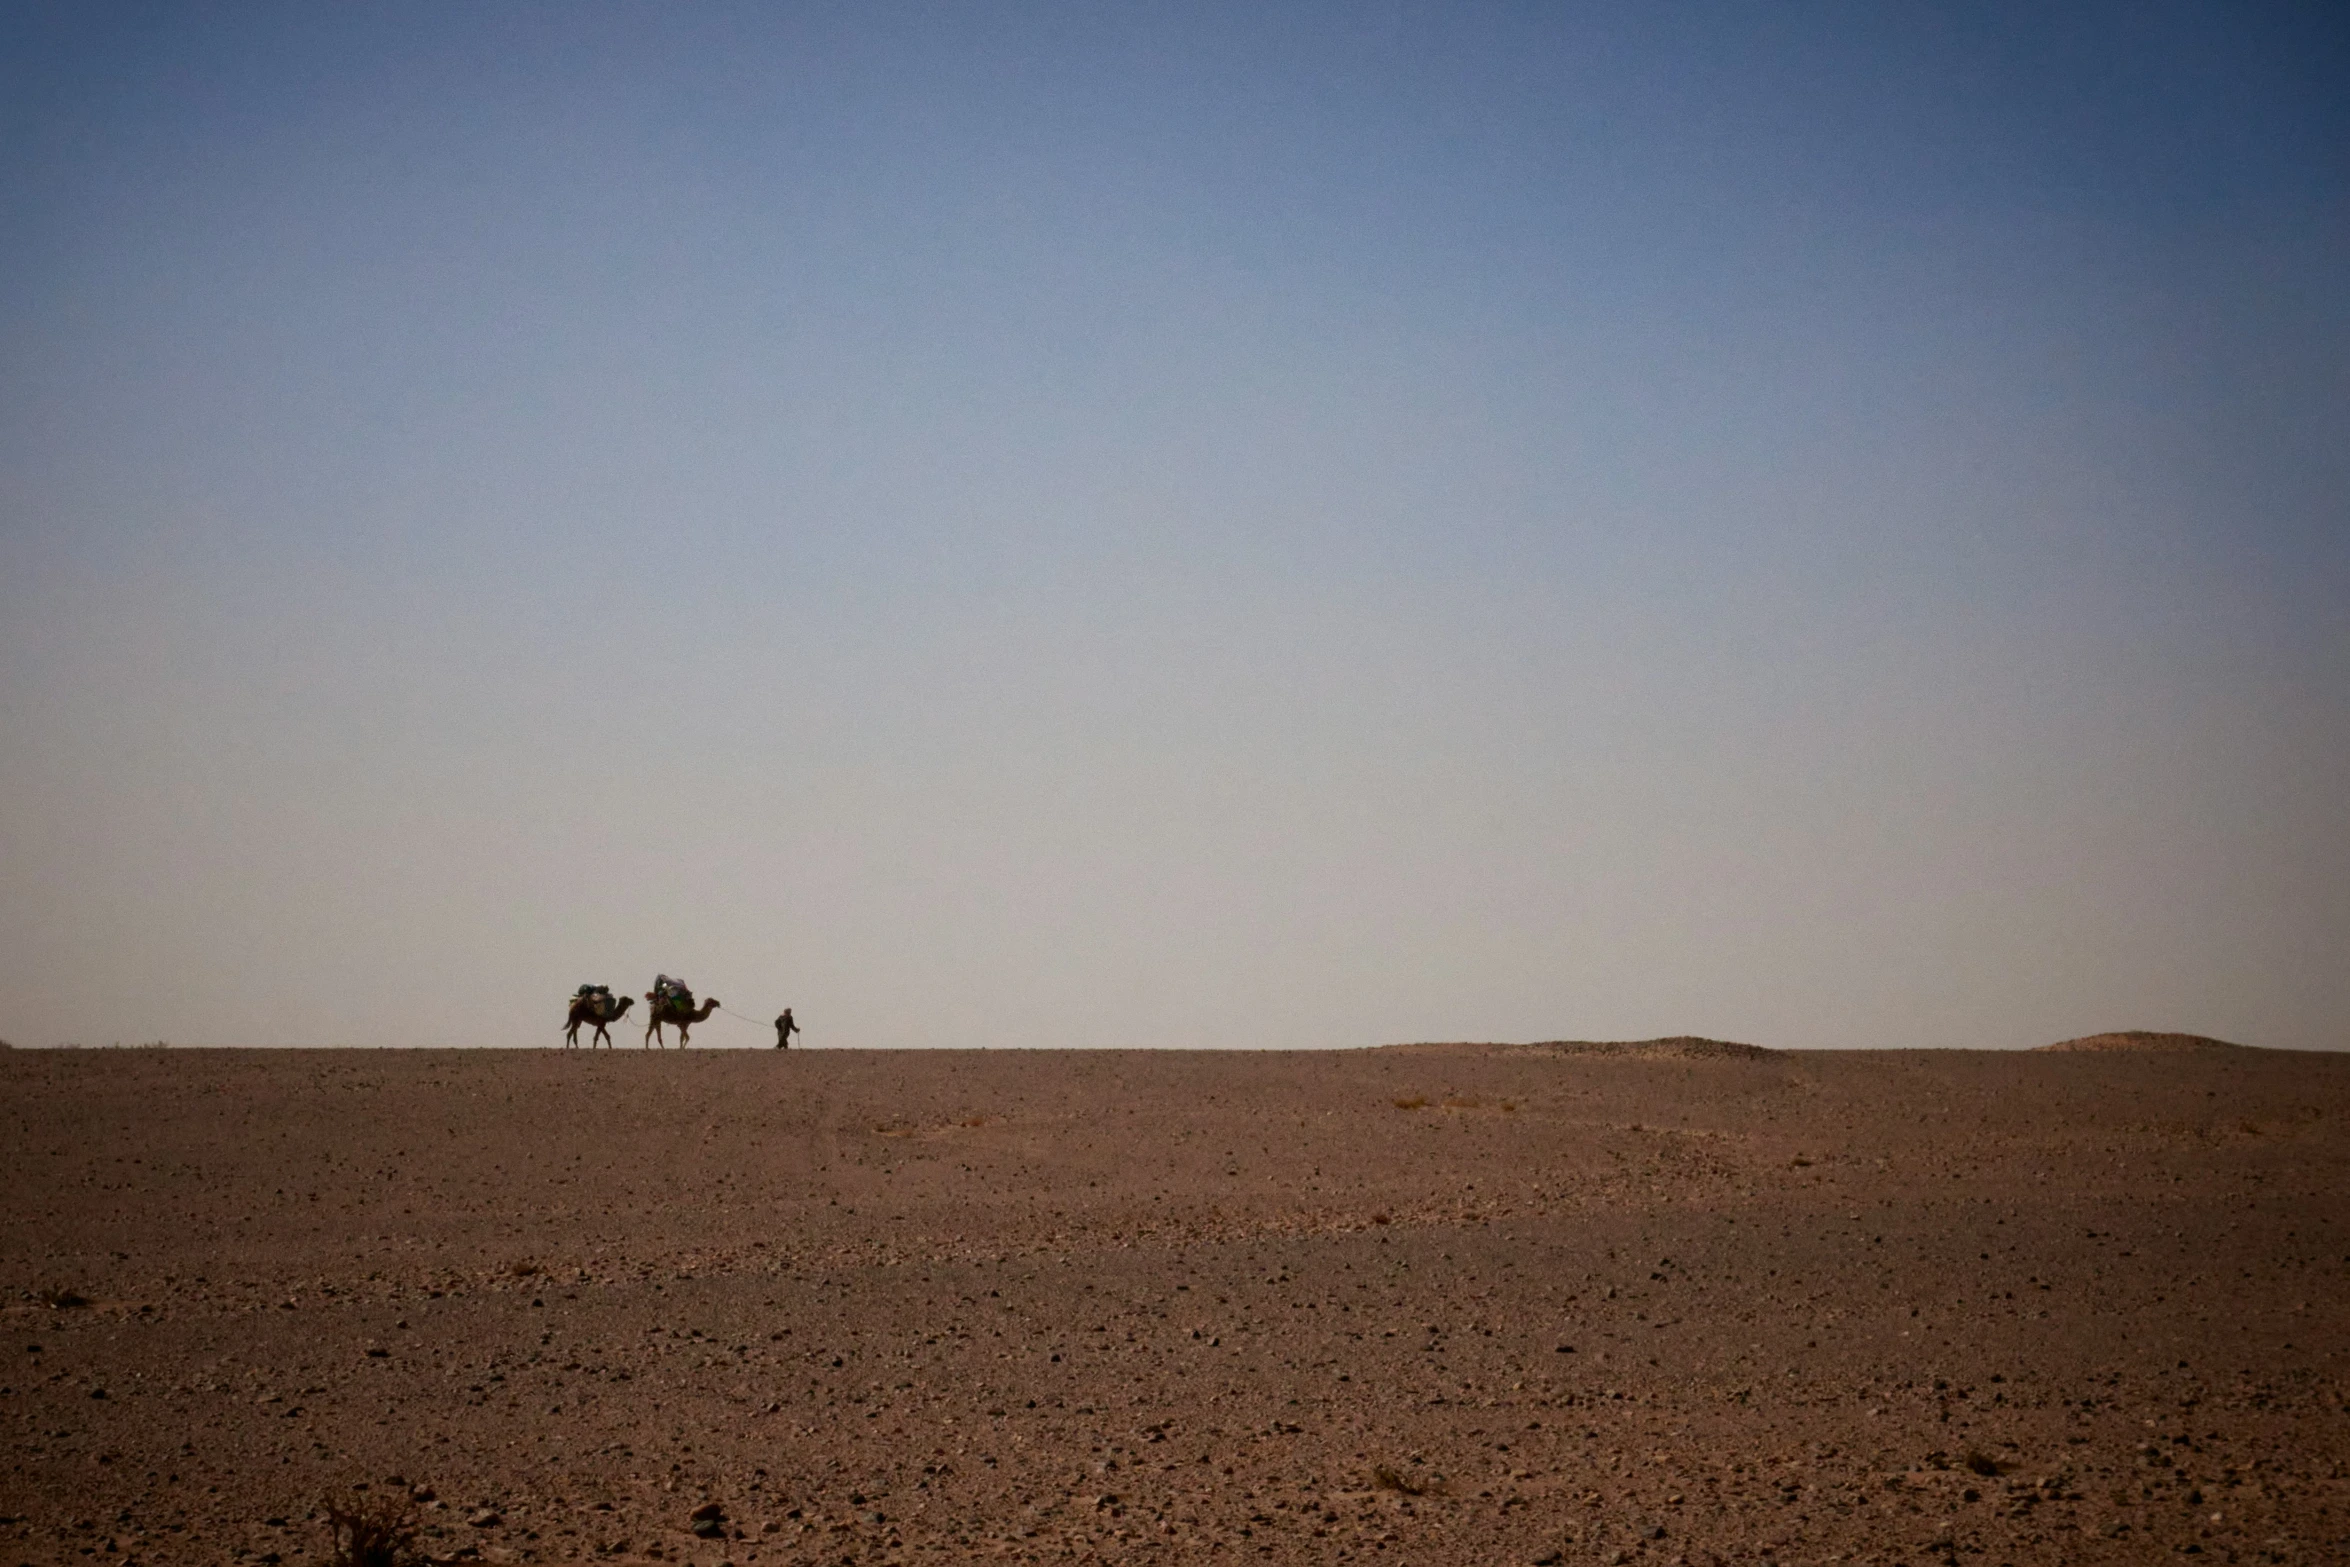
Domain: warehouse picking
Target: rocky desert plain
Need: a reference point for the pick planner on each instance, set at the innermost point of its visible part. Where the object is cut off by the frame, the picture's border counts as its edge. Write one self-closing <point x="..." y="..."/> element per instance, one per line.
<point x="1677" y="1302"/>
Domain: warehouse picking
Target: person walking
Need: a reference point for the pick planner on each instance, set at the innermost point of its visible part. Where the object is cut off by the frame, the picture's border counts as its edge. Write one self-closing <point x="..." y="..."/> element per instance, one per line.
<point x="784" y="1029"/>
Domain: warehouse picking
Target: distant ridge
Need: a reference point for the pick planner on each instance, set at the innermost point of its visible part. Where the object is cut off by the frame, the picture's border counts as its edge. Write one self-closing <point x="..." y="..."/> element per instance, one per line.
<point x="1680" y="1047"/>
<point x="2140" y="1040"/>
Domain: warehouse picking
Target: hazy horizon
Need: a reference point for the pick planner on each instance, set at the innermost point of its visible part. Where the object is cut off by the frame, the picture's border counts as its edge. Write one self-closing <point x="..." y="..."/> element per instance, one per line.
<point x="1305" y="526"/>
<point x="739" y="1040"/>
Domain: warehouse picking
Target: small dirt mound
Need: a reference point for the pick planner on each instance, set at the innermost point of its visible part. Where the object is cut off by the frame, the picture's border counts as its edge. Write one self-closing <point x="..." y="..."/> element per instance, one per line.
<point x="2143" y="1042"/>
<point x="1681" y="1047"/>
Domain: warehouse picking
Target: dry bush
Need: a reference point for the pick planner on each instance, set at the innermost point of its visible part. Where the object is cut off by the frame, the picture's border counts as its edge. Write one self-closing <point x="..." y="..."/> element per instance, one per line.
<point x="1981" y="1462"/>
<point x="63" y="1299"/>
<point x="1416" y="1102"/>
<point x="373" y="1534"/>
<point x="1388" y="1478"/>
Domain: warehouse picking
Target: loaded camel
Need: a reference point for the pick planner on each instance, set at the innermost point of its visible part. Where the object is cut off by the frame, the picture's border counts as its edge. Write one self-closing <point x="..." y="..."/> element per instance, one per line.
<point x="600" y="1011"/>
<point x="674" y="1009"/>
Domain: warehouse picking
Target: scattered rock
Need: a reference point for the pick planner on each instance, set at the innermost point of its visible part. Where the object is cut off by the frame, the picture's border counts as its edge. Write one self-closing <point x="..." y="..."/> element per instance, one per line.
<point x="485" y="1518"/>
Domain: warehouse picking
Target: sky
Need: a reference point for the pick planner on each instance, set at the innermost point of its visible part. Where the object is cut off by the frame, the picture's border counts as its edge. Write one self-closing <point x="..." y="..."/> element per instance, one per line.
<point x="1293" y="525"/>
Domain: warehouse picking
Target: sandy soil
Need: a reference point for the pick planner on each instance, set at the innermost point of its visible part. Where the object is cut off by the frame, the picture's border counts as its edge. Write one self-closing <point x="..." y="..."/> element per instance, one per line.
<point x="1427" y="1304"/>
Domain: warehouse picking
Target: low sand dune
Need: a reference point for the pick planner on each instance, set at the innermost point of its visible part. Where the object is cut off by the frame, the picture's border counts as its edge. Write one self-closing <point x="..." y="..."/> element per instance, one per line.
<point x="1680" y="1047"/>
<point x="1654" y="1303"/>
<point x="2140" y="1040"/>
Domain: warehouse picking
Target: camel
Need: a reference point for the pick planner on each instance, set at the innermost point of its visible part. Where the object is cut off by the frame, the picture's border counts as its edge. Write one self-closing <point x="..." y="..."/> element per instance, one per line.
<point x="601" y="1011"/>
<point x="669" y="1009"/>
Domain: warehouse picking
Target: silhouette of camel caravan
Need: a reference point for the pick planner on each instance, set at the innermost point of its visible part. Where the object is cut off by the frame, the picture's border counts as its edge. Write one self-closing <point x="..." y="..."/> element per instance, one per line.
<point x="592" y="1005"/>
<point x="673" y="1003"/>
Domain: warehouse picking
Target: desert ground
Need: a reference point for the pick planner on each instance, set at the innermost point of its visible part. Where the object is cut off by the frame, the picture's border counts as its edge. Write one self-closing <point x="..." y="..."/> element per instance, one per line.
<point x="1669" y="1303"/>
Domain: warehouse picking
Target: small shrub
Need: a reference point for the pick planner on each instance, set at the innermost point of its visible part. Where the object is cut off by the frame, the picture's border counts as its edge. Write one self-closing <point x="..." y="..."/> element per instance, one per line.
<point x="1980" y="1462"/>
<point x="1416" y="1102"/>
<point x="372" y="1534"/>
<point x="1388" y="1478"/>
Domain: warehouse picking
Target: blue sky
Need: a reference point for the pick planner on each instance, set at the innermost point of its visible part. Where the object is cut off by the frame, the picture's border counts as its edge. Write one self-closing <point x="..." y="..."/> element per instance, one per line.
<point x="1311" y="525"/>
